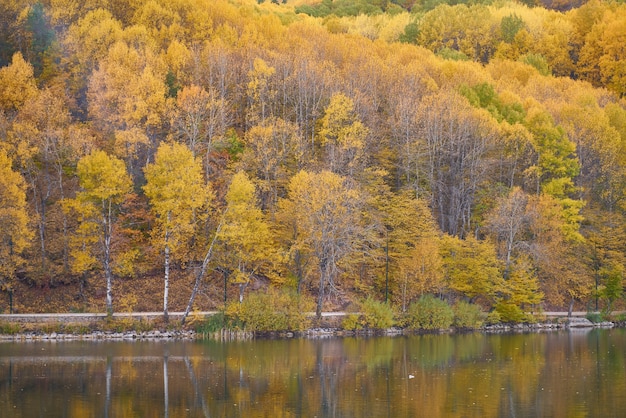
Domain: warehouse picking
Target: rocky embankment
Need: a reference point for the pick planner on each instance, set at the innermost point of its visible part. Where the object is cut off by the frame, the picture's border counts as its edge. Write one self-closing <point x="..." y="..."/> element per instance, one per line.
<point x="92" y="327"/>
<point x="554" y="324"/>
<point x="100" y="335"/>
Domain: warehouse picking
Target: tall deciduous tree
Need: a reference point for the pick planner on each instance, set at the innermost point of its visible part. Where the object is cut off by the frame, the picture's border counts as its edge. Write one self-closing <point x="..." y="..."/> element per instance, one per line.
<point x="472" y="268"/>
<point x="412" y="248"/>
<point x="200" y="117"/>
<point x="17" y="84"/>
<point x="554" y="170"/>
<point x="15" y="233"/>
<point x="325" y="209"/>
<point x="343" y="135"/>
<point x="127" y="96"/>
<point x="260" y="92"/>
<point x="559" y="258"/>
<point x="46" y="145"/>
<point x="458" y="142"/>
<point x="509" y="226"/>
<point x="104" y="184"/>
<point x="307" y="87"/>
<point x="245" y="235"/>
<point x="508" y="223"/>
<point x="611" y="61"/>
<point x="272" y="149"/>
<point x="177" y="193"/>
<point x="408" y="90"/>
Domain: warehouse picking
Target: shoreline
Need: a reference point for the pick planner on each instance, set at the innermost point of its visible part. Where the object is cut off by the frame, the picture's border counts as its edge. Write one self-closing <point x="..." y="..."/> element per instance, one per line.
<point x="151" y="332"/>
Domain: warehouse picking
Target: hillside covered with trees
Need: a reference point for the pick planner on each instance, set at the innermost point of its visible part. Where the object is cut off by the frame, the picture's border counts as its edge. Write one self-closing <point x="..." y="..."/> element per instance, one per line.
<point x="342" y="150"/>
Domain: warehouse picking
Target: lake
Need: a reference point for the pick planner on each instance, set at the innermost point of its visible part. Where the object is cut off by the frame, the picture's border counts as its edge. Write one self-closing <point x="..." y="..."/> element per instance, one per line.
<point x="552" y="374"/>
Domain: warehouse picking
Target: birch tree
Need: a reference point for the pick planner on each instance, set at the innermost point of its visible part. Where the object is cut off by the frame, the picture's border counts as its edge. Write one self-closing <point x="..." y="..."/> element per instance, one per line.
<point x="104" y="184"/>
<point x="177" y="193"/>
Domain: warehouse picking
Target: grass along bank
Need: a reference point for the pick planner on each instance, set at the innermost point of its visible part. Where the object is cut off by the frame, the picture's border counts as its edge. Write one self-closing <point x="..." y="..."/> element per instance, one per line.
<point x="280" y="314"/>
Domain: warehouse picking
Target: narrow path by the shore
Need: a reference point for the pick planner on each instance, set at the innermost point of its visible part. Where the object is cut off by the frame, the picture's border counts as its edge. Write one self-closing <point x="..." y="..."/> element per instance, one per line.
<point x="96" y="316"/>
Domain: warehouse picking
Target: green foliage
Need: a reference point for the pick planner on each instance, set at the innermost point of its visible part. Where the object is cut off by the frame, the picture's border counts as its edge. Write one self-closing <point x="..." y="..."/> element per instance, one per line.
<point x="9" y="328"/>
<point x="509" y="26"/>
<point x="429" y="313"/>
<point x="216" y="323"/>
<point x="372" y="314"/>
<point x="612" y="285"/>
<point x="233" y="145"/>
<point x="77" y="329"/>
<point x="274" y="310"/>
<point x="127" y="324"/>
<point x="42" y="37"/>
<point x="483" y="95"/>
<point x="467" y="315"/>
<point x="493" y="318"/>
<point x="173" y="87"/>
<point x="58" y="328"/>
<point x="343" y="8"/>
<point x="595" y="317"/>
<point x="621" y="318"/>
<point x="538" y="62"/>
<point x="452" y="54"/>
<point x="510" y="312"/>
<point x="410" y="34"/>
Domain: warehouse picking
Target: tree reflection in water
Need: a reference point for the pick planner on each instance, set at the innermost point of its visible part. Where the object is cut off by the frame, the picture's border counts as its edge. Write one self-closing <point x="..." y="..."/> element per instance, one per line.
<point x="468" y="375"/>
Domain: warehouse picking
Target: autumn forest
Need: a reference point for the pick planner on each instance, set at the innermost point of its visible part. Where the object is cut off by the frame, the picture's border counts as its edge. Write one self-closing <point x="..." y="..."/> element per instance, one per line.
<point x="178" y="154"/>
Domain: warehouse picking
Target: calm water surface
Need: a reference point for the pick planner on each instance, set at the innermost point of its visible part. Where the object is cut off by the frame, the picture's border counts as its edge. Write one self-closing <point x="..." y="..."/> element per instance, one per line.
<point x="557" y="374"/>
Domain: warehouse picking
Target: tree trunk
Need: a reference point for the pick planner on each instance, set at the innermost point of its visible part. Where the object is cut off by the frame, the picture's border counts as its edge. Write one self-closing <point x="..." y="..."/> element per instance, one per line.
<point x="571" y="308"/>
<point x="107" y="260"/>
<point x="242" y="289"/>
<point x="200" y="275"/>
<point x="320" y="297"/>
<point x="166" y="288"/>
<point x="109" y="297"/>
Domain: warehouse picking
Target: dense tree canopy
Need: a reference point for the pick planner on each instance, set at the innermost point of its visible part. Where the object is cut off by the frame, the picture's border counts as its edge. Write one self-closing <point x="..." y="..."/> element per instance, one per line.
<point x="348" y="149"/>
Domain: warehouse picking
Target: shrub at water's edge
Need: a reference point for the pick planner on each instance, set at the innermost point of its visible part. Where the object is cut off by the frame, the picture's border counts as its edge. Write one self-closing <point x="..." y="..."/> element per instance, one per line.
<point x="371" y="314"/>
<point x="467" y="315"/>
<point x="429" y="313"/>
<point x="274" y="310"/>
<point x="278" y="310"/>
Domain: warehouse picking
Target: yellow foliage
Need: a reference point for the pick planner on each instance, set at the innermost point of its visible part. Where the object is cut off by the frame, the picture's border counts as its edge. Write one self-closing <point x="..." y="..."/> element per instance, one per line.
<point x="126" y="303"/>
<point x="125" y="262"/>
<point x="128" y="142"/>
<point x="259" y="90"/>
<point x="15" y="233"/>
<point x="128" y="89"/>
<point x="472" y="267"/>
<point x="177" y="57"/>
<point x="17" y="84"/>
<point x="88" y="40"/>
<point x="177" y="192"/>
<point x="105" y="184"/>
<point x="335" y="93"/>
<point x="343" y="134"/>
<point x="246" y="234"/>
